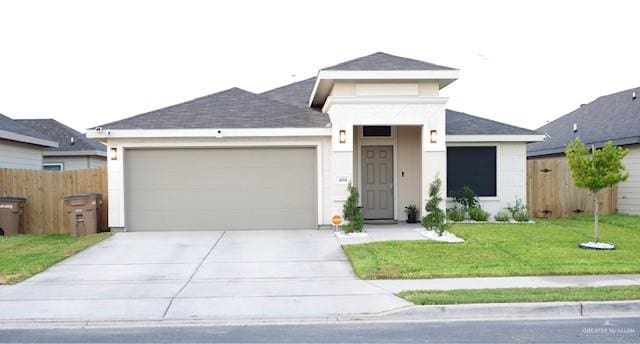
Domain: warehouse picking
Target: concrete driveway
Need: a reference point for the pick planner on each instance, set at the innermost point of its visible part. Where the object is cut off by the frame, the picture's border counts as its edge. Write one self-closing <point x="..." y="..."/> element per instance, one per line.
<point x="200" y="275"/>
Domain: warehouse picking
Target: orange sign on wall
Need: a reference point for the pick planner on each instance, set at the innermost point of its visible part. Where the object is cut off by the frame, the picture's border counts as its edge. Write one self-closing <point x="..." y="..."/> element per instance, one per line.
<point x="336" y="220"/>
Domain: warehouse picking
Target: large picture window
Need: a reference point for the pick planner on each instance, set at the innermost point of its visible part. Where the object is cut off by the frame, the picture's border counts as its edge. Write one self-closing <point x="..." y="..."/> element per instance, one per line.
<point x="474" y="167"/>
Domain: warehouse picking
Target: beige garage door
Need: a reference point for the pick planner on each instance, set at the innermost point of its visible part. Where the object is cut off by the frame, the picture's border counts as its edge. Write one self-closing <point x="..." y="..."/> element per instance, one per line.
<point x="220" y="189"/>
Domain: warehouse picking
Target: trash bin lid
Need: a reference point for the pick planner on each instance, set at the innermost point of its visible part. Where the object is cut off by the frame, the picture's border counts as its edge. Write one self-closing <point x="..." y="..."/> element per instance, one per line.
<point x="12" y="199"/>
<point x="83" y="195"/>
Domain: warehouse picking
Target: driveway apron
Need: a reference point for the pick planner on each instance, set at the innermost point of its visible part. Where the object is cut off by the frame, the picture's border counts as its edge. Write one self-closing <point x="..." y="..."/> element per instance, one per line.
<point x="200" y="275"/>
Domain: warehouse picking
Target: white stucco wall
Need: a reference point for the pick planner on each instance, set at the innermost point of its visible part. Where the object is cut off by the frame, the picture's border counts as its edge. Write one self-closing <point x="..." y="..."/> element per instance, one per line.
<point x="20" y="155"/>
<point x="511" y="174"/>
<point x="629" y="190"/>
<point x="388" y="103"/>
<point x="116" y="167"/>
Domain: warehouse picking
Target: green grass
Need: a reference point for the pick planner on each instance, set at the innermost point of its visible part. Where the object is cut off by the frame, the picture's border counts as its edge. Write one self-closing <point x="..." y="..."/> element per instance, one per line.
<point x="442" y="297"/>
<point x="549" y="247"/>
<point x="22" y="256"/>
<point x="622" y="220"/>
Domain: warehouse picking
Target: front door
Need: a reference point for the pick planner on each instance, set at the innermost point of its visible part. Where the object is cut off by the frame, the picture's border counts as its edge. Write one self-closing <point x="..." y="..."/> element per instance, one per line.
<point x="377" y="182"/>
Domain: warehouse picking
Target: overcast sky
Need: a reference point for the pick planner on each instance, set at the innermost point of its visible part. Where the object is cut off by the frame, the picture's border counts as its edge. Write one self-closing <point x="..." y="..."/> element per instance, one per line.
<point x="86" y="63"/>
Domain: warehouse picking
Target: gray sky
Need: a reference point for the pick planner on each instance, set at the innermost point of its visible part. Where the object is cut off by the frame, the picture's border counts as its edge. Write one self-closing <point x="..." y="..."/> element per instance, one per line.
<point x="85" y="63"/>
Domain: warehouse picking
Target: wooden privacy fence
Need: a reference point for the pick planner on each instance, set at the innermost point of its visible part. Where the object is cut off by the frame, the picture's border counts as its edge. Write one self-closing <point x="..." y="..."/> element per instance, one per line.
<point x="45" y="191"/>
<point x="552" y="193"/>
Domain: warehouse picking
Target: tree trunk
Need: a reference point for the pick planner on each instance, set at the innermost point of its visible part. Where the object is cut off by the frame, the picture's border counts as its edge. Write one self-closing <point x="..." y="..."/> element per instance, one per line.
<point x="595" y="216"/>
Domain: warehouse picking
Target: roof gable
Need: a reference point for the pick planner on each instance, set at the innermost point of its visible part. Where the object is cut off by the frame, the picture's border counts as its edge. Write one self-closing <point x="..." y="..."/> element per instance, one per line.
<point x="15" y="131"/>
<point x="232" y="108"/>
<point x="613" y="117"/>
<point x="385" y="62"/>
<point x="63" y="134"/>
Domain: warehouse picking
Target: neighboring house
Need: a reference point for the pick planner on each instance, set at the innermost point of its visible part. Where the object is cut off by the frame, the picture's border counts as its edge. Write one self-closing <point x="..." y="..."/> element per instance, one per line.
<point x="75" y="151"/>
<point x="614" y="117"/>
<point x="283" y="159"/>
<point x="20" y="146"/>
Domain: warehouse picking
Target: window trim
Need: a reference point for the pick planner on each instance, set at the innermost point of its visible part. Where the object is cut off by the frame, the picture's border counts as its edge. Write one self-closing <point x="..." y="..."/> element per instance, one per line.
<point x="61" y="165"/>
<point x="498" y="171"/>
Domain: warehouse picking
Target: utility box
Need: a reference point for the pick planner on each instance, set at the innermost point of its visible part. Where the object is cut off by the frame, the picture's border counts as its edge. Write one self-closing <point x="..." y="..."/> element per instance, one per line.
<point x="12" y="215"/>
<point x="83" y="213"/>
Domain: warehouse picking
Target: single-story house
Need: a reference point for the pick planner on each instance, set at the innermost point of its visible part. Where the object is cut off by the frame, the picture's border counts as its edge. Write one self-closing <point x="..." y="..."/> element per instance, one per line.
<point x="21" y="146"/>
<point x="75" y="151"/>
<point x="282" y="159"/>
<point x="614" y="117"/>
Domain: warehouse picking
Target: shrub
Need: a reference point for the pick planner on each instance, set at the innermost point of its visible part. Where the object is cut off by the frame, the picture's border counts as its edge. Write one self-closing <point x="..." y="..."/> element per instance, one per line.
<point x="521" y="216"/>
<point x="516" y="208"/>
<point x="502" y="216"/>
<point x="477" y="214"/>
<point x="351" y="212"/>
<point x="455" y="214"/>
<point x="466" y="197"/>
<point x="435" y="216"/>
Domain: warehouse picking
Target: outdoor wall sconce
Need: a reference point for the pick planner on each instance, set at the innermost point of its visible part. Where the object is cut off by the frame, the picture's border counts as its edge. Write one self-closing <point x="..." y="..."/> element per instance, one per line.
<point x="113" y="153"/>
<point x="433" y="136"/>
<point x="343" y="136"/>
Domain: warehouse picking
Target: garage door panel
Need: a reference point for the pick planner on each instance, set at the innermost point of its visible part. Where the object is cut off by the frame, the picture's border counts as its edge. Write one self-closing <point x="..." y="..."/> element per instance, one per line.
<point x="221" y="189"/>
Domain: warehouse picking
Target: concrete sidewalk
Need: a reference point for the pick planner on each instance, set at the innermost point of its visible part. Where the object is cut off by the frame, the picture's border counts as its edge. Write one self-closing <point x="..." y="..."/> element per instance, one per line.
<point x="396" y="286"/>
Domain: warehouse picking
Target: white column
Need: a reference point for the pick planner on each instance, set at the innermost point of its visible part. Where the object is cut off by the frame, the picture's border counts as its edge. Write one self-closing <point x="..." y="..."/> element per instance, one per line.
<point x="115" y="180"/>
<point x="434" y="160"/>
<point x="341" y="165"/>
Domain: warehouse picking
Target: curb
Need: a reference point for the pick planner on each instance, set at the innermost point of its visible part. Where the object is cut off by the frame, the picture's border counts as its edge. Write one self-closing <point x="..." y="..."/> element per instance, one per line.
<point x="467" y="312"/>
<point x="518" y="310"/>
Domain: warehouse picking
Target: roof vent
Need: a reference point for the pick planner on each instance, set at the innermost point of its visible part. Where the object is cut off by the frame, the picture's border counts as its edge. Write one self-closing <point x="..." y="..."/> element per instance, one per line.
<point x="575" y="127"/>
<point x="633" y="95"/>
<point x="73" y="140"/>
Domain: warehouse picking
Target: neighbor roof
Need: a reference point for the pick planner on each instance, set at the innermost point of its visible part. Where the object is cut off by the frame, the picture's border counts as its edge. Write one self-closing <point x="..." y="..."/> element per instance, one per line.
<point x="63" y="134"/>
<point x="232" y="108"/>
<point x="613" y="117"/>
<point x="458" y="123"/>
<point x="12" y="130"/>
<point x="382" y="61"/>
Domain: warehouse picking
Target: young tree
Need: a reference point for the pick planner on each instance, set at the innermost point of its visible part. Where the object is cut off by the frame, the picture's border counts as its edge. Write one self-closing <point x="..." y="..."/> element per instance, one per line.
<point x="435" y="217"/>
<point x="351" y="212"/>
<point x="597" y="170"/>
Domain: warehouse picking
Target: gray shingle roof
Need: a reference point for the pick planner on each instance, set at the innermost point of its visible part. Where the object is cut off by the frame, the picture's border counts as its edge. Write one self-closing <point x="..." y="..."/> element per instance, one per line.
<point x="297" y="93"/>
<point x="613" y="117"/>
<point x="63" y="134"/>
<point x="12" y="126"/>
<point x="232" y="108"/>
<point x="382" y="61"/>
<point x="458" y="123"/>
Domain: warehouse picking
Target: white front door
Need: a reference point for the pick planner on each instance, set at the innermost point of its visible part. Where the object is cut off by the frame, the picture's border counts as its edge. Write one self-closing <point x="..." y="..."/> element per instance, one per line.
<point x="377" y="182"/>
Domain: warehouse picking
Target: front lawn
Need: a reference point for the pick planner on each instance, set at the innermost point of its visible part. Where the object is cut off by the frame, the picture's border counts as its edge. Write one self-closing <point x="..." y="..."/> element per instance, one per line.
<point x="549" y="247"/>
<point x="22" y="256"/>
<point x="442" y="297"/>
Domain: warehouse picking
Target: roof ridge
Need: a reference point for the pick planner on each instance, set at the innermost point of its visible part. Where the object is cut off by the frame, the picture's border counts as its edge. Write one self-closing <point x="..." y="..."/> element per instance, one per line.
<point x="174" y="105"/>
<point x="287" y="85"/>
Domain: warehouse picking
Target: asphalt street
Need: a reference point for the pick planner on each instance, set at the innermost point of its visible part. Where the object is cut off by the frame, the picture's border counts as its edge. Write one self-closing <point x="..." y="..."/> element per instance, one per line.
<point x="615" y="330"/>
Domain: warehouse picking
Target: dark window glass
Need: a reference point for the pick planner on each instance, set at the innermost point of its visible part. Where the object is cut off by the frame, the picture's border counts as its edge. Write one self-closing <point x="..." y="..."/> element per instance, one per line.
<point x="474" y="167"/>
<point x="376" y="130"/>
<point x="52" y="167"/>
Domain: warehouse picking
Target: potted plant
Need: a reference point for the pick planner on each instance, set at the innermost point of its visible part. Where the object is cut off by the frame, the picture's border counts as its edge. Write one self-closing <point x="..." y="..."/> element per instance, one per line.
<point x="412" y="213"/>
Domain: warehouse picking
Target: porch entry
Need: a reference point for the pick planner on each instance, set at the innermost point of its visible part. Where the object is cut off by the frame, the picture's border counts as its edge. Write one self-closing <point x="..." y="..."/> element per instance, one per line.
<point x="377" y="182"/>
